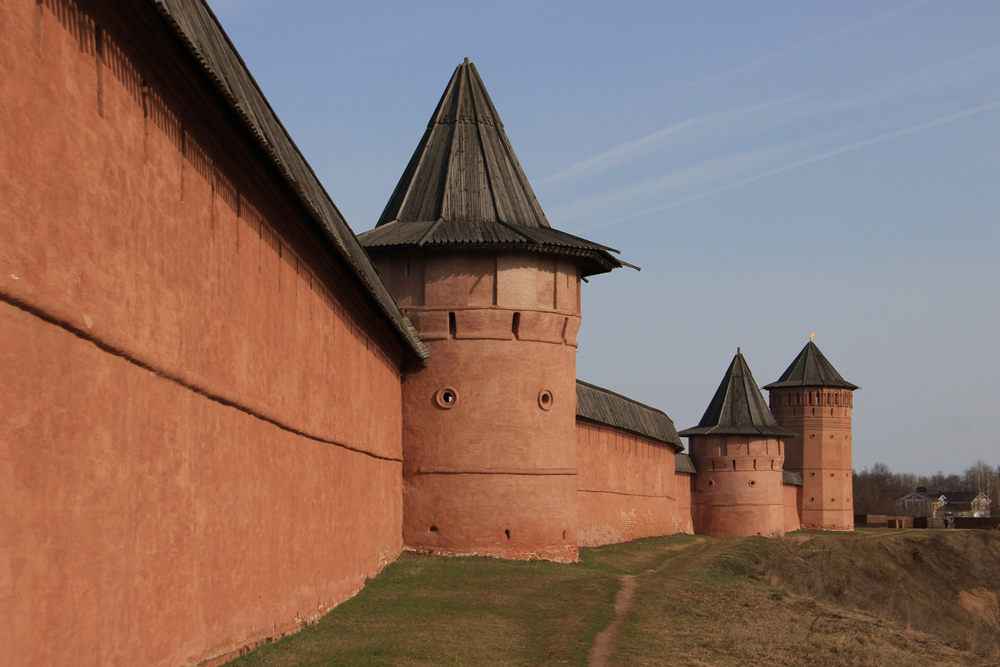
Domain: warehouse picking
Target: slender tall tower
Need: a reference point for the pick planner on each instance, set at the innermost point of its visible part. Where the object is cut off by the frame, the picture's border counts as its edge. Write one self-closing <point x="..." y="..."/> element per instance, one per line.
<point x="489" y="443"/>
<point x="813" y="400"/>
<point x="738" y="451"/>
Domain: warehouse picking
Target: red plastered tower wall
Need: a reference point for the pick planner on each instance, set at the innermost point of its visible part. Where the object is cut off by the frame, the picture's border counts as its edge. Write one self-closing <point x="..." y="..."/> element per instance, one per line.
<point x="489" y="436"/>
<point x="821" y="450"/>
<point x="738" y="490"/>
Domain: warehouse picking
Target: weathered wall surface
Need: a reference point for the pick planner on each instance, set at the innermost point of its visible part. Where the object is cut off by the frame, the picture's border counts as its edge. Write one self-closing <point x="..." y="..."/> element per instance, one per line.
<point x="493" y="472"/>
<point x="627" y="486"/>
<point x="793" y="506"/>
<point x="821" y="450"/>
<point x="200" y="441"/>
<point x="684" y="484"/>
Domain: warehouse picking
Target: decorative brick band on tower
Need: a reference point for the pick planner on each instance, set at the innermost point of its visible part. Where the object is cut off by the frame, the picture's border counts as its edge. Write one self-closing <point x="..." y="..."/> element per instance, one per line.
<point x="489" y="437"/>
<point x="813" y="400"/>
<point x="738" y="452"/>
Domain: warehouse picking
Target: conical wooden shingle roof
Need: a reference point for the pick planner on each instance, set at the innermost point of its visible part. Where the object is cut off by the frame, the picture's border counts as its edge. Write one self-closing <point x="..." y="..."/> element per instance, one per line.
<point x="465" y="187"/>
<point x="738" y="407"/>
<point x="811" y="369"/>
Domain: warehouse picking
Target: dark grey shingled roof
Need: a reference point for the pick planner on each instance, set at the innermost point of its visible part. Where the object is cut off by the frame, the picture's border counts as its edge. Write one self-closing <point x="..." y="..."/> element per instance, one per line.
<point x="738" y="407"/>
<point x="684" y="463"/>
<point x="811" y="369"/>
<point x="464" y="187"/>
<point x="200" y="31"/>
<point x="959" y="497"/>
<point x="607" y="407"/>
<point x="791" y="478"/>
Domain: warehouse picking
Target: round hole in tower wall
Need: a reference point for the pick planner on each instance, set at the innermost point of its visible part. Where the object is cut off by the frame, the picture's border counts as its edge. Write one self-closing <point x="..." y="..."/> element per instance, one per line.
<point x="753" y="482"/>
<point x="812" y="474"/>
<point x="812" y="500"/>
<point x="434" y="529"/>
<point x="446" y="398"/>
<point x="711" y="482"/>
<point x="545" y="399"/>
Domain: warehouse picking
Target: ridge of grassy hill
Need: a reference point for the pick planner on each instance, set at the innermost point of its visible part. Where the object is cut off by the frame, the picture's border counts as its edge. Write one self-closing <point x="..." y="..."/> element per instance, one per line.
<point x="869" y="598"/>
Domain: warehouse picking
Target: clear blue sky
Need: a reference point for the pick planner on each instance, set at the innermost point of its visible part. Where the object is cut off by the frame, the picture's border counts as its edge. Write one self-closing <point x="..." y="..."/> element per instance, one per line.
<point x="775" y="168"/>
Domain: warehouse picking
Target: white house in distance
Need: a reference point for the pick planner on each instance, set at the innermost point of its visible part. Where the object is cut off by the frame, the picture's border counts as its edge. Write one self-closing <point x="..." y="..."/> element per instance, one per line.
<point x="935" y="504"/>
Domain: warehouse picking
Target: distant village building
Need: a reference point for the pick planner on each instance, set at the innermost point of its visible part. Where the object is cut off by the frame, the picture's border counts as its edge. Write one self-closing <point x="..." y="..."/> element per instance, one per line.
<point x="936" y="504"/>
<point x="223" y="411"/>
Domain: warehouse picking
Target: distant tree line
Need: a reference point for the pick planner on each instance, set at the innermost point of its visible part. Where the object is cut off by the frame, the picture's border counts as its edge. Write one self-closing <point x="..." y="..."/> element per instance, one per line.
<point x="877" y="490"/>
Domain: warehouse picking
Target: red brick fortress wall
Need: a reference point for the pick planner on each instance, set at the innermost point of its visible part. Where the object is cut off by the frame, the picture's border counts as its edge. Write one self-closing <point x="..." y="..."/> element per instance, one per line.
<point x="200" y="441"/>
<point x="821" y="450"/>
<point x="627" y="486"/>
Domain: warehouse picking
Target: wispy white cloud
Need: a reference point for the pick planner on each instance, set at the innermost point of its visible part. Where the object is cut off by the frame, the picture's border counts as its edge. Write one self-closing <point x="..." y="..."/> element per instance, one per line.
<point x="749" y="118"/>
<point x="629" y="151"/>
<point x="801" y="163"/>
<point x="692" y="177"/>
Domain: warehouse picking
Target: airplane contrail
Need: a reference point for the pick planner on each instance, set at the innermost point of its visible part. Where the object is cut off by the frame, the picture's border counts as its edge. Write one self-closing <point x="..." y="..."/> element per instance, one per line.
<point x="816" y="158"/>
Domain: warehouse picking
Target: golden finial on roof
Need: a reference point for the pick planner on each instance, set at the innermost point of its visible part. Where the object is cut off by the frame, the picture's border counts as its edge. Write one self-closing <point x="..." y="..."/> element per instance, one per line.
<point x="812" y="336"/>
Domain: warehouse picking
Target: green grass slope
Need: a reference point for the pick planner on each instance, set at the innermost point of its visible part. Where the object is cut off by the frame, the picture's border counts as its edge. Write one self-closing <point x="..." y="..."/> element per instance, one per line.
<point x="880" y="598"/>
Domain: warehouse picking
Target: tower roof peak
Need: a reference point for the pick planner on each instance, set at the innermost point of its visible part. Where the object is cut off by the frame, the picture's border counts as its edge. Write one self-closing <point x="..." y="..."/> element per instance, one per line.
<point x="464" y="168"/>
<point x="811" y="369"/>
<point x="738" y="408"/>
<point x="465" y="187"/>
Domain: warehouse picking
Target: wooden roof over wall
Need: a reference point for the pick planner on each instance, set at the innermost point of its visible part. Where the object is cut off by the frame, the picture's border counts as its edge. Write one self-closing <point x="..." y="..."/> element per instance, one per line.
<point x="606" y="407"/>
<point x="811" y="369"/>
<point x="465" y="187"/>
<point x="684" y="463"/>
<point x="791" y="478"/>
<point x="200" y="31"/>
<point x="738" y="408"/>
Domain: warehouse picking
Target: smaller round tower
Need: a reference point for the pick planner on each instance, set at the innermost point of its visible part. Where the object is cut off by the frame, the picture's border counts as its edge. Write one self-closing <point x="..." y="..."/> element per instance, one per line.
<point x="815" y="402"/>
<point x="738" y="451"/>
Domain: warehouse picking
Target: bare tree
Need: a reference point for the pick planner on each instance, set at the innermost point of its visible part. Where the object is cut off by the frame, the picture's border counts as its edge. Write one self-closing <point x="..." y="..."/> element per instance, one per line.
<point x="982" y="478"/>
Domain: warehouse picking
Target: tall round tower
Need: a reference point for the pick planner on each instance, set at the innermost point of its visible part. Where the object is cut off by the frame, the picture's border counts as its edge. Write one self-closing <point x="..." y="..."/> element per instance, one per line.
<point x="489" y="447"/>
<point x="813" y="400"/>
<point x="738" y="451"/>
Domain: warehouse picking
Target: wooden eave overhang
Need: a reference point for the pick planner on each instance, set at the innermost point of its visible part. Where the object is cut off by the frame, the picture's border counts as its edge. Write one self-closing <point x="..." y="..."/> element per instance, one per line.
<point x="196" y="26"/>
<point x="486" y="235"/>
